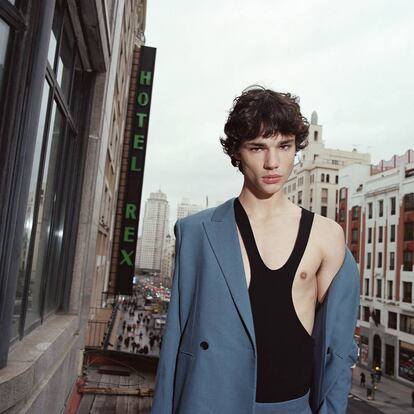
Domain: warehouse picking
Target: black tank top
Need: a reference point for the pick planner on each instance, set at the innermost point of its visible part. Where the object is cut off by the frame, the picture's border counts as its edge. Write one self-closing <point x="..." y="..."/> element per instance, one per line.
<point x="284" y="347"/>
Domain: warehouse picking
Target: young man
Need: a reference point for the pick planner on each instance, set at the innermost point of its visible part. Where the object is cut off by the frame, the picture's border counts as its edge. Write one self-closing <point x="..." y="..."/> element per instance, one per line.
<point x="251" y="328"/>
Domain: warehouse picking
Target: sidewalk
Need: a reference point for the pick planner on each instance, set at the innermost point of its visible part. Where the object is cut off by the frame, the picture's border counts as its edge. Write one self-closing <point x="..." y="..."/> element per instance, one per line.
<point x="391" y="397"/>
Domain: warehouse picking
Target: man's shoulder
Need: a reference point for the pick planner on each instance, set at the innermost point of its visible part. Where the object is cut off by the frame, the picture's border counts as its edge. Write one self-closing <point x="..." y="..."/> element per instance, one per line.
<point x="333" y="236"/>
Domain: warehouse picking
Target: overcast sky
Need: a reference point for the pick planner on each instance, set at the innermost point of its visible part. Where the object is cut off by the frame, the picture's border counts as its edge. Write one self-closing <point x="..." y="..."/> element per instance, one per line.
<point x="350" y="61"/>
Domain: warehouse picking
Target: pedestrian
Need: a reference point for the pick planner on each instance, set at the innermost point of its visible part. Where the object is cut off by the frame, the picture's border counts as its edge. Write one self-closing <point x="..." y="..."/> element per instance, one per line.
<point x="362" y="383"/>
<point x="221" y="257"/>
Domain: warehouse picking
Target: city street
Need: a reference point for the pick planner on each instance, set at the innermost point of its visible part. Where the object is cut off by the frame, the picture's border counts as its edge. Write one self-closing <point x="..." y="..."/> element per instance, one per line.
<point x="140" y="331"/>
<point x="357" y="406"/>
<point x="391" y="397"/>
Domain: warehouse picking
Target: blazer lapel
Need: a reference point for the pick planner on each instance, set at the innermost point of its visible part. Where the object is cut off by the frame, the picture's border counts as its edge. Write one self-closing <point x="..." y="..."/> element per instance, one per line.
<point x="222" y="235"/>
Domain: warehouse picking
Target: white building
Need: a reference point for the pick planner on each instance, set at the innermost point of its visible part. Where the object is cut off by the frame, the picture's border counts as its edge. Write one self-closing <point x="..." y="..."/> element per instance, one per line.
<point x="154" y="231"/>
<point x="186" y="208"/>
<point x="376" y="211"/>
<point x="313" y="183"/>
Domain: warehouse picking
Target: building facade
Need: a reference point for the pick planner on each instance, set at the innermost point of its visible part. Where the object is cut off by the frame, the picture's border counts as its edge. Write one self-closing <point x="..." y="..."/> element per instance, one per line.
<point x="376" y="211"/>
<point x="313" y="183"/>
<point x="155" y="226"/>
<point x="64" y="72"/>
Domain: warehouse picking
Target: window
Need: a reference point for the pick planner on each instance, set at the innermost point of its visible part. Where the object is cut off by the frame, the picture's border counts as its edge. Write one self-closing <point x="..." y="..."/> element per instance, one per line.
<point x="407" y="292"/>
<point x="327" y="178"/>
<point x="392" y="199"/>
<point x="355" y="213"/>
<point x="366" y="314"/>
<point x="299" y="197"/>
<point x="380" y="208"/>
<point x="300" y="182"/>
<point x="380" y="234"/>
<point x="392" y="233"/>
<point x="369" y="210"/>
<point x="392" y="260"/>
<point x="408" y="231"/>
<point x="407" y="260"/>
<point x="342" y="193"/>
<point x="341" y="215"/>
<point x="354" y="237"/>
<point x="369" y="260"/>
<point x="392" y="320"/>
<point x="407" y="324"/>
<point x="379" y="288"/>
<point x="324" y="211"/>
<point x="336" y="179"/>
<point x="294" y="186"/>
<point x="379" y="259"/>
<point x="377" y="316"/>
<point x="409" y="202"/>
<point x="45" y="258"/>
<point x="369" y="234"/>
<point x="312" y="178"/>
<point x="323" y="177"/>
<point x="366" y="287"/>
<point x="311" y="195"/>
<point x="4" y="46"/>
<point x="324" y="198"/>
<point x="389" y="293"/>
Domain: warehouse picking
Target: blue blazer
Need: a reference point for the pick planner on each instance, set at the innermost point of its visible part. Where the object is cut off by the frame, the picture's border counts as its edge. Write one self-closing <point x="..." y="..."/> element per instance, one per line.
<point x="207" y="362"/>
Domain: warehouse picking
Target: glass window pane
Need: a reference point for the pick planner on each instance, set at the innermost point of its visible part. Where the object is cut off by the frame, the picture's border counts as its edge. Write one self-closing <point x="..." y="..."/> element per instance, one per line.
<point x="4" y="41"/>
<point x="65" y="60"/>
<point x="54" y="36"/>
<point x="48" y="200"/>
<point x="34" y="288"/>
<point x="61" y="223"/>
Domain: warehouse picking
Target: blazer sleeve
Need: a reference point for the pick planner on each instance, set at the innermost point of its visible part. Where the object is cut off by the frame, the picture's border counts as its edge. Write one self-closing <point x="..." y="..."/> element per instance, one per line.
<point x="343" y="320"/>
<point x="164" y="384"/>
<point x="336" y="401"/>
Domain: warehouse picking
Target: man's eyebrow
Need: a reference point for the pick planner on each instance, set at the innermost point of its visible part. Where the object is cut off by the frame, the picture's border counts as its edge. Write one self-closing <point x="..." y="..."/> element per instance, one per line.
<point x="287" y="140"/>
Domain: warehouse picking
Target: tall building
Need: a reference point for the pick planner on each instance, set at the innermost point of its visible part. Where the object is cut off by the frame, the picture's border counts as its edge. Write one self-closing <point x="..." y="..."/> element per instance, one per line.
<point x="186" y="208"/>
<point x="167" y="263"/>
<point x="63" y="94"/>
<point x="313" y="183"/>
<point x="155" y="225"/>
<point x="119" y="86"/>
<point x="376" y="211"/>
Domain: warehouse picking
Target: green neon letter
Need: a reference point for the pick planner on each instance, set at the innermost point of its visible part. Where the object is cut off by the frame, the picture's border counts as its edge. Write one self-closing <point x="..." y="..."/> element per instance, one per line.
<point x="141" y="118"/>
<point x="128" y="233"/>
<point x="126" y="257"/>
<point x="143" y="99"/>
<point x="145" y="78"/>
<point x="130" y="211"/>
<point x="138" y="141"/>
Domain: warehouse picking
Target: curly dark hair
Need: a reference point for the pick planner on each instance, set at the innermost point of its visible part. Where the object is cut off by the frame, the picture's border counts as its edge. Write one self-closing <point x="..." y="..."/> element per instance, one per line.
<point x="263" y="112"/>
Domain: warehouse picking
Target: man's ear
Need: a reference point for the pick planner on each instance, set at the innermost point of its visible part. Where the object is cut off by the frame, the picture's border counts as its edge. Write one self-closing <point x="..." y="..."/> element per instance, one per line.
<point x="236" y="155"/>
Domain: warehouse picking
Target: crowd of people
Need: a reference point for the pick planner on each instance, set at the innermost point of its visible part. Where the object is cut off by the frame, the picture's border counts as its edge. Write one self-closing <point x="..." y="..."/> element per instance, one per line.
<point x="137" y="333"/>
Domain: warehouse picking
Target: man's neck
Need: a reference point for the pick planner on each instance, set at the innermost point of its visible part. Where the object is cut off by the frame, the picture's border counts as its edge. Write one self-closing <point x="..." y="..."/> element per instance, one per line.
<point x="265" y="207"/>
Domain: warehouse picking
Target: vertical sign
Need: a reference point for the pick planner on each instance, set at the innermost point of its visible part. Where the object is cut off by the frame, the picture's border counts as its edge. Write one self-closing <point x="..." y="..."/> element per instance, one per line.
<point x="135" y="175"/>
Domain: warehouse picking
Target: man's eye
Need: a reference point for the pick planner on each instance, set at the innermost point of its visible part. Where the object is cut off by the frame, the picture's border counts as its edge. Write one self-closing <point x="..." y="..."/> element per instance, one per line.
<point x="287" y="146"/>
<point x="255" y="149"/>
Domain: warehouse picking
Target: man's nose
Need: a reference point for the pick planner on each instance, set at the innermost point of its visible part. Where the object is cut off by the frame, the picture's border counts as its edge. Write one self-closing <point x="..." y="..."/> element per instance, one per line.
<point x="272" y="159"/>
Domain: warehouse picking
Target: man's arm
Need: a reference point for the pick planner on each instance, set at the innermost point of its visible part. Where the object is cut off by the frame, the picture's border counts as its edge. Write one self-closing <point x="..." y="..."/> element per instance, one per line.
<point x="164" y="387"/>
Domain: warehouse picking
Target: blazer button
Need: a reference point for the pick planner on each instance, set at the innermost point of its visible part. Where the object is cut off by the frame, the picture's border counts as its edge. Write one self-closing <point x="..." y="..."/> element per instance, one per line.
<point x="204" y="345"/>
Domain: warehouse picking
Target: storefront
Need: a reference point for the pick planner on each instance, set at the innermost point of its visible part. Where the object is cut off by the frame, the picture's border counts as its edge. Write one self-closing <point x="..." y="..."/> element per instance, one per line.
<point x="406" y="361"/>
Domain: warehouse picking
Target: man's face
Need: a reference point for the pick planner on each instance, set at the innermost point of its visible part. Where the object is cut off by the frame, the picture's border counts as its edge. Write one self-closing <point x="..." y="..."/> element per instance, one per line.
<point x="267" y="162"/>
